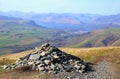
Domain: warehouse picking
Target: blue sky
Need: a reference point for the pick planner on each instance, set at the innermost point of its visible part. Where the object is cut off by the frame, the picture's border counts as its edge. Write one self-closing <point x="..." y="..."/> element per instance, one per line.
<point x="105" y="7"/>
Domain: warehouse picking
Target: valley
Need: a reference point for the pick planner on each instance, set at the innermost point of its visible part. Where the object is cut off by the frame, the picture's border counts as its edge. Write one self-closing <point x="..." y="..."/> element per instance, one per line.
<point x="20" y="34"/>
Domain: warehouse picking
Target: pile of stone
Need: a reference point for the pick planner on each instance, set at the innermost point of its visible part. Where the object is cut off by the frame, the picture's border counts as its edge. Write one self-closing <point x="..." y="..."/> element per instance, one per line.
<point x="50" y="59"/>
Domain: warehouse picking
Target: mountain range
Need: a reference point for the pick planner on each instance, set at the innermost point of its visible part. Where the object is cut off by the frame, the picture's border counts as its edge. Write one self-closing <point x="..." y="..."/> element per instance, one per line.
<point x="87" y="22"/>
<point x="23" y="31"/>
<point x="19" y="34"/>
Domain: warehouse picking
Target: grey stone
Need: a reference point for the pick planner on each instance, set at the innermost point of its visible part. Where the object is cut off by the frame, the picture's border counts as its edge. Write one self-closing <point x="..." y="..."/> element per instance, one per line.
<point x="77" y="66"/>
<point x="68" y="68"/>
<point x="43" y="53"/>
<point x="30" y="63"/>
<point x="34" y="67"/>
<point x="45" y="45"/>
<point x="55" y="72"/>
<point x="34" y="57"/>
<point x="81" y="71"/>
<point x="68" y="78"/>
<point x="5" y="67"/>
<point x="25" y="57"/>
<point x="47" y="62"/>
<point x="52" y="67"/>
<point x="41" y="68"/>
<point x="50" y="59"/>
<point x="55" y="56"/>
<point x="83" y="66"/>
<point x="38" y="62"/>
<point x="41" y="65"/>
<point x="51" y="49"/>
<point x="76" y="62"/>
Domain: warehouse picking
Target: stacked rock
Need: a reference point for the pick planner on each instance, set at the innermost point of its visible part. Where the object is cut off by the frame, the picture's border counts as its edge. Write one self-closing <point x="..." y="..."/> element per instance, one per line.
<point x="50" y="59"/>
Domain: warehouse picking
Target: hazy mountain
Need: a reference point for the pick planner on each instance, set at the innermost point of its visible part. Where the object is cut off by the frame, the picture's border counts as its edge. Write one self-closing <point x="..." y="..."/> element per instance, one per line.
<point x="86" y="22"/>
<point x="106" y="37"/>
<point x="20" y="34"/>
<point x="22" y="31"/>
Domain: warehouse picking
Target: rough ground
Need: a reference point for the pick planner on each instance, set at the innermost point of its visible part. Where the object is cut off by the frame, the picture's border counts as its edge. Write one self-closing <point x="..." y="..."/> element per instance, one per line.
<point x="102" y="70"/>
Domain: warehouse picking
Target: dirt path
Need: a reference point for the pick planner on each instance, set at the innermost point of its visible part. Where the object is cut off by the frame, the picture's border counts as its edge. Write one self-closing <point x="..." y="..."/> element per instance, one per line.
<point x="103" y="70"/>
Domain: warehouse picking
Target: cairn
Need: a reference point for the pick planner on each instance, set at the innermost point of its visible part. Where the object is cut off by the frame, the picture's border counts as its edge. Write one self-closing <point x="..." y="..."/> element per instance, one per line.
<point x="50" y="59"/>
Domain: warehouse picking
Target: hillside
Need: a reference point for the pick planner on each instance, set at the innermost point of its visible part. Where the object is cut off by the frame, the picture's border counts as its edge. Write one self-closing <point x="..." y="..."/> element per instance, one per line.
<point x="105" y="37"/>
<point x="17" y="34"/>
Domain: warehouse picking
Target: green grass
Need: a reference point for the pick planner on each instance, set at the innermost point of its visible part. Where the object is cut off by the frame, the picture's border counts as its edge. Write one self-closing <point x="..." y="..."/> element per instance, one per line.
<point x="4" y="41"/>
<point x="22" y="35"/>
<point x="96" y="38"/>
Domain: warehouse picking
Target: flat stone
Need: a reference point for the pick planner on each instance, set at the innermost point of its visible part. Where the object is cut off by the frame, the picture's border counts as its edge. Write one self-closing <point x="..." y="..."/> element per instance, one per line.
<point x="25" y="57"/>
<point x="51" y="49"/>
<point x="47" y="62"/>
<point x="77" y="66"/>
<point x="34" y="57"/>
<point x="41" y="65"/>
<point x="45" y="45"/>
<point x="68" y="68"/>
<point x="68" y="77"/>
<point x="5" y="67"/>
<point x="41" y="68"/>
<point x="30" y="63"/>
<point x="81" y="71"/>
<point x="83" y="66"/>
<point x="34" y="67"/>
<point x="52" y="67"/>
<point x="55" y="56"/>
<point x="43" y="53"/>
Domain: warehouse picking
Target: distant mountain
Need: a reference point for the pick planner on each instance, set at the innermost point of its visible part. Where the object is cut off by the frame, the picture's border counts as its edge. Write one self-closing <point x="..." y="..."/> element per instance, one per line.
<point x="88" y="22"/>
<point x="7" y="21"/>
<point x="106" y="37"/>
<point x="20" y="34"/>
<point x="22" y="31"/>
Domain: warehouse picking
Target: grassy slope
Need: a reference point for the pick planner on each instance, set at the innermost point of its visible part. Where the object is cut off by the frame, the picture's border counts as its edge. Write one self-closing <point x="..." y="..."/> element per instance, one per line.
<point x="22" y="35"/>
<point x="111" y="54"/>
<point x="96" y="38"/>
<point x="18" y="33"/>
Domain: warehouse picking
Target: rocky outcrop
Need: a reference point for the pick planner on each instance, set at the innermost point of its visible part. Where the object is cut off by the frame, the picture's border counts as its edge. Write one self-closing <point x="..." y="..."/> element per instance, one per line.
<point x="50" y="59"/>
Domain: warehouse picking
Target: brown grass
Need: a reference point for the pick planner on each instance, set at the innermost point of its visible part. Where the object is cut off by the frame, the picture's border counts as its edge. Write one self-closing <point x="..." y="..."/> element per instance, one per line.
<point x="94" y="55"/>
<point x="14" y="56"/>
<point x="91" y="54"/>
